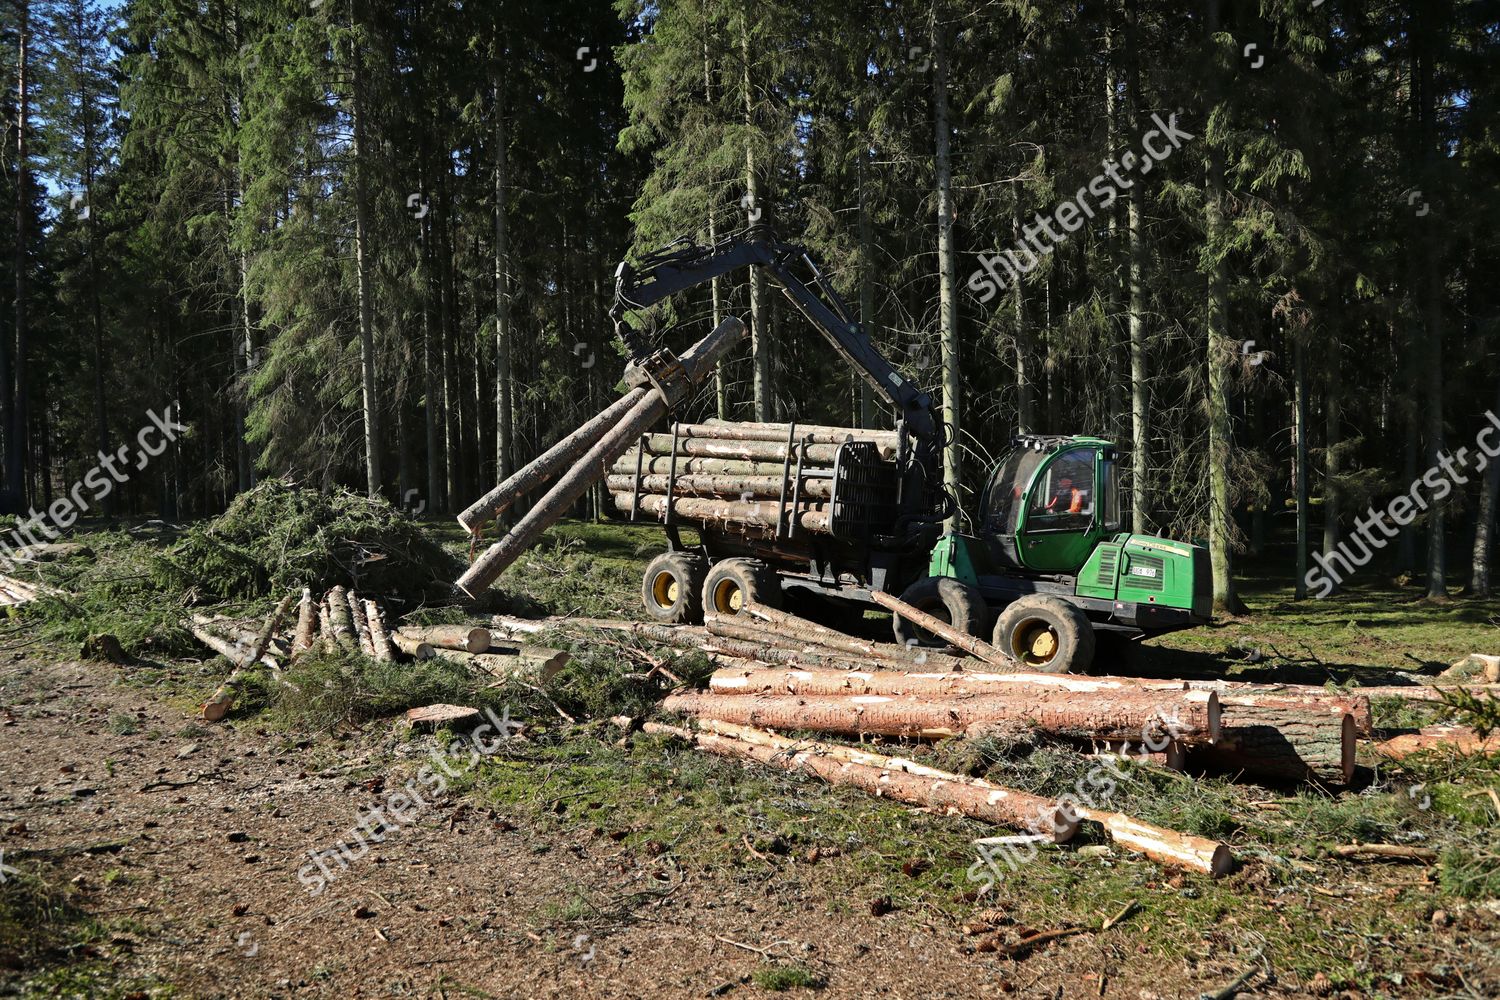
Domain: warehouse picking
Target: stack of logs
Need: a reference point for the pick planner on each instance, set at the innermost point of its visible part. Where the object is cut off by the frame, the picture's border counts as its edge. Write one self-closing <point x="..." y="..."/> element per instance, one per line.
<point x="748" y="475"/>
<point x="343" y="621"/>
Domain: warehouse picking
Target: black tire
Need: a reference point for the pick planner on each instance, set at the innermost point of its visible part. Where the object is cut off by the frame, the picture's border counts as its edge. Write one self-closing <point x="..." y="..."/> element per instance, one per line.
<point x="672" y="588"/>
<point x="1046" y="634"/>
<point x="947" y="599"/>
<point x="734" y="583"/>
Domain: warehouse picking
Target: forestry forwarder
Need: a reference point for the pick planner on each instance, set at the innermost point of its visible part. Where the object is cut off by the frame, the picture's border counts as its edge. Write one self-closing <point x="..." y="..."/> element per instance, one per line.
<point x="1049" y="568"/>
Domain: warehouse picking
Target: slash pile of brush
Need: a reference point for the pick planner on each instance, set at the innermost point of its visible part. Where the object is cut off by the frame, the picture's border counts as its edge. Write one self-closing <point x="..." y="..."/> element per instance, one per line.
<point x="344" y="622"/>
<point x="745" y="475"/>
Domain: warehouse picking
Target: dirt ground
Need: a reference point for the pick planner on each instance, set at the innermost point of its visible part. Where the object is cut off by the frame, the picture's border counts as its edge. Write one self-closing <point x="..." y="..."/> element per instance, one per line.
<point x="184" y="843"/>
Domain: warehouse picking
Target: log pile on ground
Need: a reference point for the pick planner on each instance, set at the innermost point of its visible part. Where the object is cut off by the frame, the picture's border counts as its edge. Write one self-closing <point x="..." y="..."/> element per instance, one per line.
<point x="346" y="624"/>
<point x="752" y="478"/>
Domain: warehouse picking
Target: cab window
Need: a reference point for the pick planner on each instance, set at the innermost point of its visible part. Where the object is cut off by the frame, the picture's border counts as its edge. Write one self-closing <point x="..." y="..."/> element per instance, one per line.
<point x="1002" y="497"/>
<point x="1063" y="499"/>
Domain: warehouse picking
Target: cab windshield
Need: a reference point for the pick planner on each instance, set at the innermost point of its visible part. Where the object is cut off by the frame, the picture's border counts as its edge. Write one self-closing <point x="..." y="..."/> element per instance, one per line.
<point x="1002" y="497"/>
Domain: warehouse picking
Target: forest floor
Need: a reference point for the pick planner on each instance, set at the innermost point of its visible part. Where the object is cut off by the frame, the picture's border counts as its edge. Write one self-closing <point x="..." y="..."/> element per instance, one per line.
<point x="147" y="854"/>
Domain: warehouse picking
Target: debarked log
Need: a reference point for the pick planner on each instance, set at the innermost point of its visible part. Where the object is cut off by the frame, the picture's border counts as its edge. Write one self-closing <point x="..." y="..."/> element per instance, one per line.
<point x="725" y="487"/>
<point x="1190" y="717"/>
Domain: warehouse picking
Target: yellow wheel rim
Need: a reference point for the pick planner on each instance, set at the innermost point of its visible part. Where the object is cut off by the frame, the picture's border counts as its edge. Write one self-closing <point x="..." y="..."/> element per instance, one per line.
<point x="728" y="597"/>
<point x="664" y="590"/>
<point x="1034" y="642"/>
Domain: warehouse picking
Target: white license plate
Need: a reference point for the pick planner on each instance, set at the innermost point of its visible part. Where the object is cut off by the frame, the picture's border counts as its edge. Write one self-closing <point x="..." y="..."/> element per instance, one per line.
<point x="1143" y="571"/>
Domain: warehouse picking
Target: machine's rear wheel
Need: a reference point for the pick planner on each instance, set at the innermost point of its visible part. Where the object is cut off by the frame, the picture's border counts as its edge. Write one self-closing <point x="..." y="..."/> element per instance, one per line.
<point x="946" y="599"/>
<point x="735" y="583"/>
<point x="1046" y="634"/>
<point x="672" y="588"/>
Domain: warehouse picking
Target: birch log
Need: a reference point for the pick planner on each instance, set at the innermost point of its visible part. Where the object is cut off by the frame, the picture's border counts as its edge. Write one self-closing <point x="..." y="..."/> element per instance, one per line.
<point x="536" y="664"/>
<point x="307" y="624"/>
<point x="379" y="636"/>
<point x="361" y="624"/>
<point x="465" y="638"/>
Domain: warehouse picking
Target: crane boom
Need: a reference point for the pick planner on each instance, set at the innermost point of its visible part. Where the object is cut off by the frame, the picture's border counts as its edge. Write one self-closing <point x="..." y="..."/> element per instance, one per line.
<point x="682" y="265"/>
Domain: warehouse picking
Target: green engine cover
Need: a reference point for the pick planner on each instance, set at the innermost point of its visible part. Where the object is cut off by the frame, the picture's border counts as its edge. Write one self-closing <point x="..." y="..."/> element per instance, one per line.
<point x="1151" y="570"/>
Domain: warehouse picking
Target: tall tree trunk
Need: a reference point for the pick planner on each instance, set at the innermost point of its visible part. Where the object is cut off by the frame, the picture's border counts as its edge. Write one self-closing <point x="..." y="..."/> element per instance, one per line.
<point x="1220" y="354"/>
<point x="716" y="291"/>
<point x="947" y="282"/>
<point x="1484" y="526"/>
<point x="504" y="431"/>
<point x="364" y="256"/>
<point x="867" y="411"/>
<point x="1425" y="42"/>
<point x="1299" y="467"/>
<point x="15" y="445"/>
<point x="1140" y="391"/>
<point x="86" y="112"/>
<point x="760" y="341"/>
<point x="1025" y="376"/>
<point x="1332" y="437"/>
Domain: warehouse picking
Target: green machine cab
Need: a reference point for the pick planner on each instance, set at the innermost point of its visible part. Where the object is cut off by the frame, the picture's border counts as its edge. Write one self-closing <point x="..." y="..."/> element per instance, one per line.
<point x="1051" y="552"/>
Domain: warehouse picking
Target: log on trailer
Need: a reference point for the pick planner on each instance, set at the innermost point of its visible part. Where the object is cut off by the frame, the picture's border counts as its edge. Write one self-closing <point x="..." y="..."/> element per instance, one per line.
<point x="765" y="514"/>
<point x="594" y="464"/>
<point x="1191" y="717"/>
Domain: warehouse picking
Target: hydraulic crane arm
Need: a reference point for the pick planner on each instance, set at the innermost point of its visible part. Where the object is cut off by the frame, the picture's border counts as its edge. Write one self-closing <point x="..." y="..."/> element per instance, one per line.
<point x="682" y="265"/>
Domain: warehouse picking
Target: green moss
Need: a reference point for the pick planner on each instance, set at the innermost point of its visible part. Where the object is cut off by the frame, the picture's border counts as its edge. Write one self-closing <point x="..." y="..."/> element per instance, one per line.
<point x="780" y="978"/>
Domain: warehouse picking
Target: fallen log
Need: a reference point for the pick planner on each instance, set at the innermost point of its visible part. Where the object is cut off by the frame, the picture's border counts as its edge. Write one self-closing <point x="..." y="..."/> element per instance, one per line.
<point x="343" y="624"/>
<point x="814" y="517"/>
<point x="1163" y="845"/>
<point x="790" y="633"/>
<point x="970" y="644"/>
<point x="415" y="648"/>
<point x="440" y="715"/>
<point x="379" y="635"/>
<point x="361" y="624"/>
<point x="52" y="551"/>
<point x="594" y="463"/>
<point x="465" y="638"/>
<point x="536" y="664"/>
<point x="326" y="641"/>
<point x="307" y="624"/>
<point x="1459" y="741"/>
<point x="888" y="778"/>
<point x="1384" y="852"/>
<point x="1282" y="745"/>
<point x="1191" y="717"/>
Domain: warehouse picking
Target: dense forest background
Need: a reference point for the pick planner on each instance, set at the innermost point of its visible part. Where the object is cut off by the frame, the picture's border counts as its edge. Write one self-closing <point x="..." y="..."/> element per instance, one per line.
<point x="371" y="242"/>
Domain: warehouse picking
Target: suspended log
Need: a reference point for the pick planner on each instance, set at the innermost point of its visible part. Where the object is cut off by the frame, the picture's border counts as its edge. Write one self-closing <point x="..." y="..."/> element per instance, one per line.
<point x="1191" y="717"/>
<point x="1053" y="818"/>
<point x="594" y="464"/>
<point x="361" y="624"/>
<point x="1277" y="744"/>
<point x="465" y="638"/>
<point x="968" y="643"/>
<point x="1459" y="741"/>
<point x="886" y="777"/>
<point x="742" y="487"/>
<point x="813" y="517"/>
<point x="536" y="664"/>
<point x="545" y="467"/>
<point x="307" y="624"/>
<point x="384" y="651"/>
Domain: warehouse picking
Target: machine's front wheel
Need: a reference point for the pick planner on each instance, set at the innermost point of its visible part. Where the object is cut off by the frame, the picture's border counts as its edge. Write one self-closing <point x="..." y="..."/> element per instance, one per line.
<point x="947" y="600"/>
<point x="734" y="583"/>
<point x="1046" y="634"/>
<point x="672" y="588"/>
